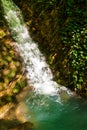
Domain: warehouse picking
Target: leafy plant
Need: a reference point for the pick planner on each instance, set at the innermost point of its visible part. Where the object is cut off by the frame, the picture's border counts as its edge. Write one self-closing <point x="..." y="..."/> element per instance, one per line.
<point x="78" y="55"/>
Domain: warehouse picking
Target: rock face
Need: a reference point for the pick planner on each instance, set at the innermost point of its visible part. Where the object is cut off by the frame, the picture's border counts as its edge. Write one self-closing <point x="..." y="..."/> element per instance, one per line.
<point x="4" y="110"/>
<point x="12" y="73"/>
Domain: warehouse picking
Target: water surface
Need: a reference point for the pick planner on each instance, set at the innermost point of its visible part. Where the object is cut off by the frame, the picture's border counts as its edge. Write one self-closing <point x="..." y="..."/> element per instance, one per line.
<point x="48" y="114"/>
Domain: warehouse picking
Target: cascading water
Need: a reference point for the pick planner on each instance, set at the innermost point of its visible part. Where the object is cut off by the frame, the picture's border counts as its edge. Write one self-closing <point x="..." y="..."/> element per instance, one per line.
<point x="45" y="110"/>
<point x="38" y="72"/>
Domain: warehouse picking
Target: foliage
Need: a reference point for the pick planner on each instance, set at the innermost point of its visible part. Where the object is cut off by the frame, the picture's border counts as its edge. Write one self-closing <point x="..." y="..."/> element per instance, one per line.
<point x="78" y="55"/>
<point x="74" y="34"/>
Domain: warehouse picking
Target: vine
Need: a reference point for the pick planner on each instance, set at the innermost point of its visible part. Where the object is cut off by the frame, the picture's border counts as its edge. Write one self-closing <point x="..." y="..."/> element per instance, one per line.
<point x="78" y="56"/>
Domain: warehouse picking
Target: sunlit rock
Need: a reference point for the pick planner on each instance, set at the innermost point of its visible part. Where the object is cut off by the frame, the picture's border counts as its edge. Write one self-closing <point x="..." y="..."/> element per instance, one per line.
<point x="21" y="112"/>
<point x="5" y="109"/>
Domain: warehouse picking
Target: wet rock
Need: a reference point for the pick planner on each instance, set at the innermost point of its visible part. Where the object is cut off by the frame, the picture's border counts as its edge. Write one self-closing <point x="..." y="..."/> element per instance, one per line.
<point x="15" y="125"/>
<point x="21" y="112"/>
<point x="13" y="117"/>
<point x="24" y="126"/>
<point x="24" y="93"/>
<point x="65" y="94"/>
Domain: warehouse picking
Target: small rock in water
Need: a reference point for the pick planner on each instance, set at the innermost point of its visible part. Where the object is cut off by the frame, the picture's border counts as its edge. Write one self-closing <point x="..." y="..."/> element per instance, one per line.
<point x="21" y="112"/>
<point x="22" y="95"/>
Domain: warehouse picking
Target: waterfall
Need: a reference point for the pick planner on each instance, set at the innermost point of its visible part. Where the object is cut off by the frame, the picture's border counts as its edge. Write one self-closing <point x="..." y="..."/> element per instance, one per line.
<point x="39" y="74"/>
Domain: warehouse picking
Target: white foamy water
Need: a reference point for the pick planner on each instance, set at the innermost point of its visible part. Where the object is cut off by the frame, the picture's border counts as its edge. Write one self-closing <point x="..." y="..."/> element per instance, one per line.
<point x="38" y="72"/>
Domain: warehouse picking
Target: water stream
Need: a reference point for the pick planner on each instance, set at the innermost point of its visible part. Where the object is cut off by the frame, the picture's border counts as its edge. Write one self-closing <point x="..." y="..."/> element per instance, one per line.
<point x="44" y="104"/>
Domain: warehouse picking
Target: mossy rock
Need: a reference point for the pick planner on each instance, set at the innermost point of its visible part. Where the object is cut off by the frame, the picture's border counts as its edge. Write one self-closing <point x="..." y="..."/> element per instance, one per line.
<point x="11" y="67"/>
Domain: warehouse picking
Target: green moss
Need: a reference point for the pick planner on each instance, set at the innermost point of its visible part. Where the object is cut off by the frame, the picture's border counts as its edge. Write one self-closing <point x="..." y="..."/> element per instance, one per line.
<point x="19" y="85"/>
<point x="17" y="88"/>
